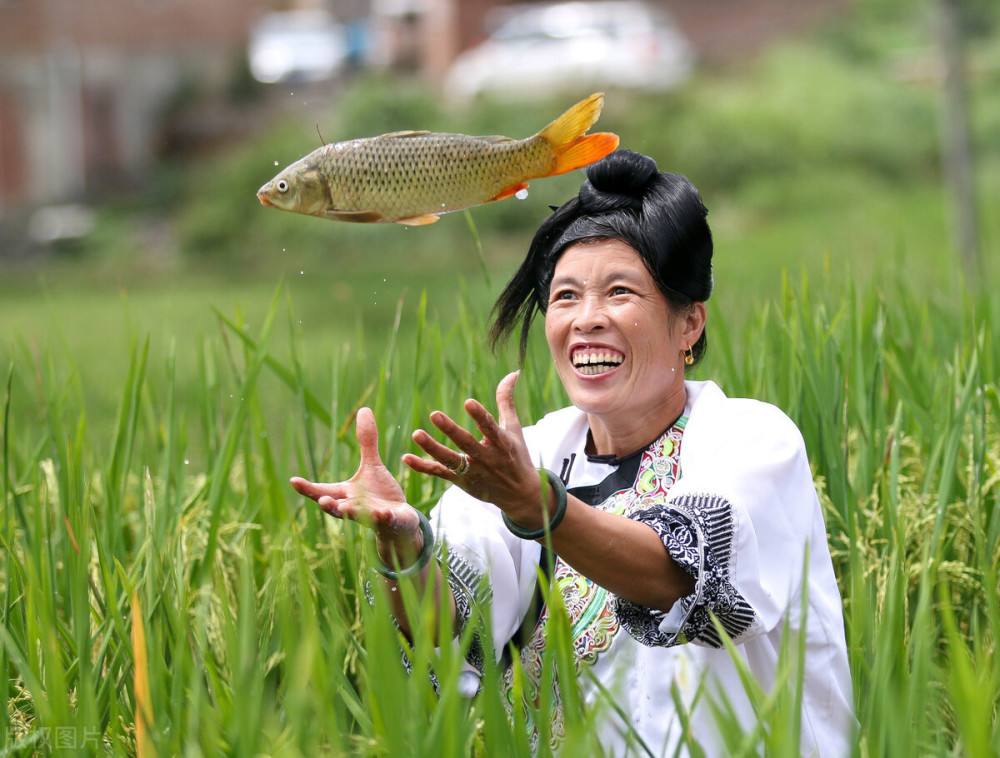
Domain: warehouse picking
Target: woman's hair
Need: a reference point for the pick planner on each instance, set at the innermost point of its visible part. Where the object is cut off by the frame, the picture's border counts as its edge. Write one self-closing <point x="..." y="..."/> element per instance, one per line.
<point x="659" y="214"/>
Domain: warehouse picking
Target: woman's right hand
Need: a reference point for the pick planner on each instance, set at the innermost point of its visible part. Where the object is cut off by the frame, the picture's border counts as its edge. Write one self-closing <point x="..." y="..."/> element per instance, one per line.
<point x="371" y="497"/>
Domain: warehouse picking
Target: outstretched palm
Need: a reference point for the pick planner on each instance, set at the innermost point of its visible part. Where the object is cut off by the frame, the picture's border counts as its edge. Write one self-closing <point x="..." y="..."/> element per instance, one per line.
<point x="372" y="496"/>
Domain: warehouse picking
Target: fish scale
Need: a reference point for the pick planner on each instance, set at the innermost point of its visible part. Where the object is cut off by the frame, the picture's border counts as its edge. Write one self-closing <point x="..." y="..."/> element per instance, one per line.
<point x="459" y="168"/>
<point x="413" y="177"/>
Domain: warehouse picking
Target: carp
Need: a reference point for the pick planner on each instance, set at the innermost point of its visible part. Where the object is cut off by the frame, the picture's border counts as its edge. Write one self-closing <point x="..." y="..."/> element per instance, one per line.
<point x="414" y="177"/>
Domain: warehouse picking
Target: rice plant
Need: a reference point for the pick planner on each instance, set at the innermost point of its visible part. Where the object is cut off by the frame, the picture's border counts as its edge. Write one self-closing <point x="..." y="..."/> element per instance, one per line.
<point x="164" y="592"/>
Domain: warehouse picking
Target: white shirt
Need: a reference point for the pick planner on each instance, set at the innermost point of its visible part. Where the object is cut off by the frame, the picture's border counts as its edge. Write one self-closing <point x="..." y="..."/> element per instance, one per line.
<point x="738" y="510"/>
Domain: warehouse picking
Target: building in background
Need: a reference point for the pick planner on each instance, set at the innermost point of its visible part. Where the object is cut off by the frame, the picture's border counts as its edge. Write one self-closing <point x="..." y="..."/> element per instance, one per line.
<point x="84" y="85"/>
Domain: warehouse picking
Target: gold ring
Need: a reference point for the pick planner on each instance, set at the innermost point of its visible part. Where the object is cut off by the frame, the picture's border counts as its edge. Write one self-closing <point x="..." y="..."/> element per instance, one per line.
<point x="462" y="466"/>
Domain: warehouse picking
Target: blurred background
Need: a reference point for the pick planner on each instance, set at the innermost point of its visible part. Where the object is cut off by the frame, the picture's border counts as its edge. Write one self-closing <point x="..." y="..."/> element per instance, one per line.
<point x="849" y="142"/>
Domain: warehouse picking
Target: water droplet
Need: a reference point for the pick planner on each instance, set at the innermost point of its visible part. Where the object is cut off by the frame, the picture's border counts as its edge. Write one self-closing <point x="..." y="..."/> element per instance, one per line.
<point x="384" y="279"/>
<point x="282" y="249"/>
<point x="291" y="93"/>
<point x="300" y="322"/>
<point x="392" y="589"/>
<point x="443" y="205"/>
<point x="521" y="194"/>
<point x="276" y="163"/>
<point x="302" y="273"/>
<point x="187" y="462"/>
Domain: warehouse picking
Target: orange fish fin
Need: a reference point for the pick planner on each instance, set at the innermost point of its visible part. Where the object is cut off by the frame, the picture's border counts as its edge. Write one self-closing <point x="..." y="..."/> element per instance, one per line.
<point x="357" y="217"/>
<point x="566" y="136"/>
<point x="511" y="190"/>
<point x="575" y="122"/>
<point x="427" y="218"/>
<point x="583" y="152"/>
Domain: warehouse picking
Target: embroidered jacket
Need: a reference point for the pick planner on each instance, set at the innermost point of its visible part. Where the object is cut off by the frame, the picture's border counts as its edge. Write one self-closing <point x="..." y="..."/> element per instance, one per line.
<point x="729" y="491"/>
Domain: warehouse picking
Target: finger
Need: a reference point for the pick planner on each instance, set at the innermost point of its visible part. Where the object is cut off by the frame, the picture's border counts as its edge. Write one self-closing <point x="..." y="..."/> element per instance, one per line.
<point x="316" y="490"/>
<point x="484" y="420"/>
<point x="505" y="401"/>
<point x="349" y="508"/>
<point x="394" y="520"/>
<point x="354" y="509"/>
<point x="460" y="436"/>
<point x="431" y="446"/>
<point x="329" y="505"/>
<point x="431" y="468"/>
<point x="366" y="431"/>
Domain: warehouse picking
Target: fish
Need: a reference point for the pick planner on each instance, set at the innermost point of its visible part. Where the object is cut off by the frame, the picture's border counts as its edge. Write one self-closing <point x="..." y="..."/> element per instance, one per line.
<point x="413" y="177"/>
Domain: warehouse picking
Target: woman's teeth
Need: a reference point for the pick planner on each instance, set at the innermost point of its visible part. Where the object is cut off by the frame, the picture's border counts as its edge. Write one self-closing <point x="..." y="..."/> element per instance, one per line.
<point x="591" y="362"/>
<point x="596" y="368"/>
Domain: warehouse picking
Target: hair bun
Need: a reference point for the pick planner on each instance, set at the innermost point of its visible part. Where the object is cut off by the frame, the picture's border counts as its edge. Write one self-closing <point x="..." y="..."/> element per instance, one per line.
<point x="617" y="181"/>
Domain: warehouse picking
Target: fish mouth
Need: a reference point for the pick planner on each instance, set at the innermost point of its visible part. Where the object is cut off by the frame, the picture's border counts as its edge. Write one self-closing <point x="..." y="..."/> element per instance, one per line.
<point x="264" y="198"/>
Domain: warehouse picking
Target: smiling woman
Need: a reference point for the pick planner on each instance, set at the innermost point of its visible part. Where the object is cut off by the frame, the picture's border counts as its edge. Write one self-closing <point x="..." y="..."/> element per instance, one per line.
<point x="676" y="516"/>
<point x="616" y="343"/>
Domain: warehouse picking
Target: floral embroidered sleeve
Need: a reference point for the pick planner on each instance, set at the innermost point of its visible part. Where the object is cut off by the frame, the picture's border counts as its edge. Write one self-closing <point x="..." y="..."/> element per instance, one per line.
<point x="697" y="532"/>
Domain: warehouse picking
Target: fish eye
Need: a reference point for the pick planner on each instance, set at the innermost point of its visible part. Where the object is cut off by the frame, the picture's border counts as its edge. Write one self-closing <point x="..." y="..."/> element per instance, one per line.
<point x="282" y="186"/>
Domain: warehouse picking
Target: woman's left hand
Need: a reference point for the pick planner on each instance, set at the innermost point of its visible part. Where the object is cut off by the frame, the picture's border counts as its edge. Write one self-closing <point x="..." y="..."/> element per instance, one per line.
<point x="499" y="469"/>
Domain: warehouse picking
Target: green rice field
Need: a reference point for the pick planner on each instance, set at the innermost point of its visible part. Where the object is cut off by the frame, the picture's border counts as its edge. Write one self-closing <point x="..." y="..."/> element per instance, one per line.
<point x="165" y="592"/>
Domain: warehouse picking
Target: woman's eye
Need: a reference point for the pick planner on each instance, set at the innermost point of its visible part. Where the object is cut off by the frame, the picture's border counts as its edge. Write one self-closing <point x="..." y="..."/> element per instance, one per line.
<point x="564" y="295"/>
<point x="621" y="291"/>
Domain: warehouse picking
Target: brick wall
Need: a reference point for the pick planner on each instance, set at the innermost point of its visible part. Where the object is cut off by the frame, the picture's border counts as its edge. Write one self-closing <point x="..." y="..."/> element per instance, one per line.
<point x="12" y="164"/>
<point x="725" y="30"/>
<point x="83" y="83"/>
<point x="148" y="25"/>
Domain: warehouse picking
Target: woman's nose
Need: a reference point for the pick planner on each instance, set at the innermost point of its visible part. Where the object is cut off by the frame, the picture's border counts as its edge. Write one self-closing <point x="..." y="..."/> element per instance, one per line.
<point x="590" y="316"/>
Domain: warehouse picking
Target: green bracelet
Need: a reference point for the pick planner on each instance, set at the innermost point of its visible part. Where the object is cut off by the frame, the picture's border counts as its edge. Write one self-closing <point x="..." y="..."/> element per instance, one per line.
<point x="422" y="560"/>
<point x="533" y="534"/>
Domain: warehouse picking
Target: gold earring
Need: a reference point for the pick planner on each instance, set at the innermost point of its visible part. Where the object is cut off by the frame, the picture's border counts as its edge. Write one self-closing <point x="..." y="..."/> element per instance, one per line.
<point x="688" y="357"/>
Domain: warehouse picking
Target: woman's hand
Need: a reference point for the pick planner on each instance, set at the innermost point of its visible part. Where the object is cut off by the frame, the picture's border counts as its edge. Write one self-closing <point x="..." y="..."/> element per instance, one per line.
<point x="371" y="497"/>
<point x="499" y="470"/>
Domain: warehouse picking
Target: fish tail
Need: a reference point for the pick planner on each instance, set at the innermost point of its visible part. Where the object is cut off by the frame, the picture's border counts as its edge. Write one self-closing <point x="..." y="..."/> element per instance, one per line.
<point x="572" y="147"/>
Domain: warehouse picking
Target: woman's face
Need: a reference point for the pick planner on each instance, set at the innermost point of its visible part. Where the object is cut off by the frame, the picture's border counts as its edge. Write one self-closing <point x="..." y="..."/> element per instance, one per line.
<point x="616" y="344"/>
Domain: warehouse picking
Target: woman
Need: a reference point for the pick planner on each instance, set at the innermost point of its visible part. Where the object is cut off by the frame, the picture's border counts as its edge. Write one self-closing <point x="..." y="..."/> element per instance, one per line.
<point x="665" y="501"/>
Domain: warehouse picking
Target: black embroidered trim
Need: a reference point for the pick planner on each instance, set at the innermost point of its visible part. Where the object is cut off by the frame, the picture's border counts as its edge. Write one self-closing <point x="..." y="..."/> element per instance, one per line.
<point x="469" y="589"/>
<point x="620" y="479"/>
<point x="697" y="531"/>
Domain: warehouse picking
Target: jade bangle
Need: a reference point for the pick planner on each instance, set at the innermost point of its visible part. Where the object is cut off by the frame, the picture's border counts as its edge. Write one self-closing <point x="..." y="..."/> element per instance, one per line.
<point x="557" y="486"/>
<point x="422" y="560"/>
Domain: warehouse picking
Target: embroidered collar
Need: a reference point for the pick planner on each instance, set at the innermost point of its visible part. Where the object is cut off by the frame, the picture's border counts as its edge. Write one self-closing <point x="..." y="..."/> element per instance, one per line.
<point x="611" y="459"/>
<point x="627" y="469"/>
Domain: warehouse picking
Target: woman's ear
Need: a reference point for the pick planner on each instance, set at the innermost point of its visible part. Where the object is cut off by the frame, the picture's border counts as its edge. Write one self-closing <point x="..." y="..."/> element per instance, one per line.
<point x="693" y="323"/>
